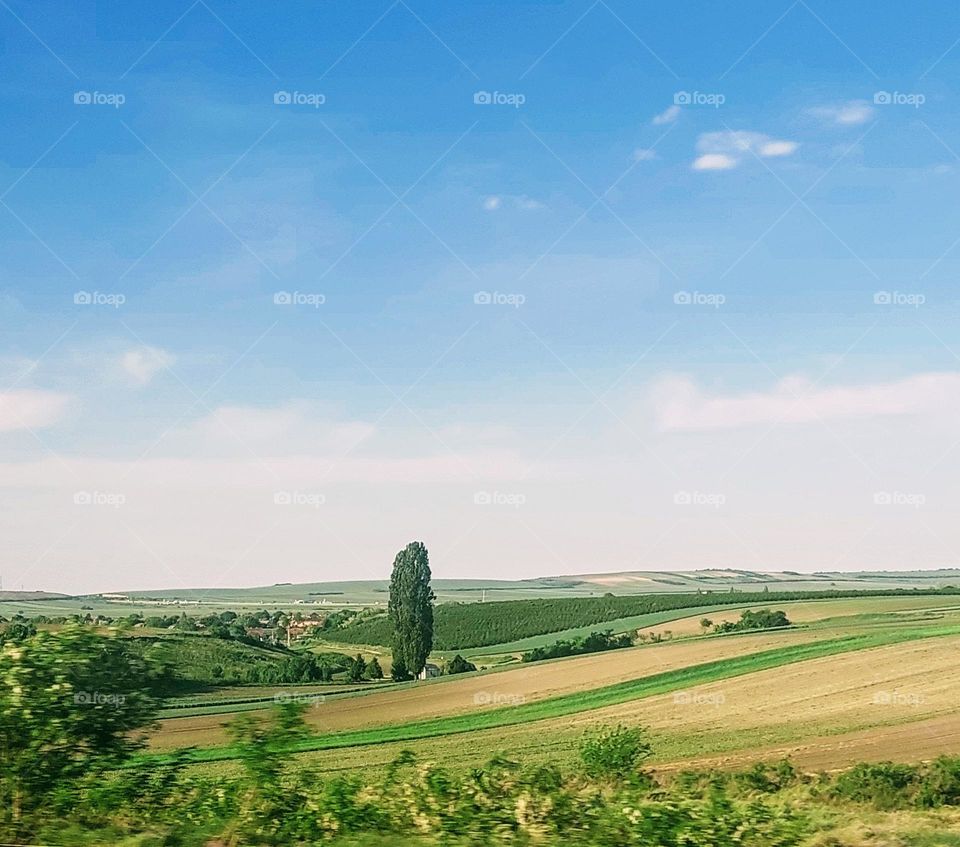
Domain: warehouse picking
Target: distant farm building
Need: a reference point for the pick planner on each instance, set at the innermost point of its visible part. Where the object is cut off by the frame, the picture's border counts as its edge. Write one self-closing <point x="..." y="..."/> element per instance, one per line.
<point x="429" y="671"/>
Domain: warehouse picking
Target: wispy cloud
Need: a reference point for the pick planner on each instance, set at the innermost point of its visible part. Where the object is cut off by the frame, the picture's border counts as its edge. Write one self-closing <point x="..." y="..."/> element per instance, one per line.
<point x="141" y="364"/>
<point x="680" y="404"/>
<point x="728" y="149"/>
<point x="495" y="202"/>
<point x="850" y="113"/>
<point x="31" y="409"/>
<point x="667" y="116"/>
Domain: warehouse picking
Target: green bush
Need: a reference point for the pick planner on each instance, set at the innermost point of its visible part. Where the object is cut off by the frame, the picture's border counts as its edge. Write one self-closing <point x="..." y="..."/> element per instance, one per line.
<point x="940" y="784"/>
<point x="885" y="785"/>
<point x="615" y="753"/>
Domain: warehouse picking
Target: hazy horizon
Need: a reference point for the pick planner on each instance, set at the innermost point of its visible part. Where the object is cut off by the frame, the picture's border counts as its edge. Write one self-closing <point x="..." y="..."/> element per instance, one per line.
<point x="440" y="578"/>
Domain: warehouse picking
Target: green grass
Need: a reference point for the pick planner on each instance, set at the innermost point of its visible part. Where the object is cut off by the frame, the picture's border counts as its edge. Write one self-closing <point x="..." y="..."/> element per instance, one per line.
<point x="597" y="698"/>
<point x="213" y="705"/>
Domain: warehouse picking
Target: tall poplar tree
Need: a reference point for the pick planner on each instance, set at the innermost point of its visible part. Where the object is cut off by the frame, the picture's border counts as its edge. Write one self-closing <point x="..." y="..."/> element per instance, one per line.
<point x="411" y="609"/>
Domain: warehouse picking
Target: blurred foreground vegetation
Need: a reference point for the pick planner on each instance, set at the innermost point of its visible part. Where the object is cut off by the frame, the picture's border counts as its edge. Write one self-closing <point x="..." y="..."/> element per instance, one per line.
<point x="73" y="706"/>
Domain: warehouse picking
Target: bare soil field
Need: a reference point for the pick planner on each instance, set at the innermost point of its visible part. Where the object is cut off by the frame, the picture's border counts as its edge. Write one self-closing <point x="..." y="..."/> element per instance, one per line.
<point x="917" y="741"/>
<point x="810" y="611"/>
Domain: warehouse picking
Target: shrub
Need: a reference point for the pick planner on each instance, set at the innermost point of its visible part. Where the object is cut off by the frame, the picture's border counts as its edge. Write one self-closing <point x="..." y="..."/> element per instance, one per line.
<point x="615" y="753"/>
<point x="768" y="778"/>
<point x="460" y="665"/>
<point x="885" y="785"/>
<point x="940" y="784"/>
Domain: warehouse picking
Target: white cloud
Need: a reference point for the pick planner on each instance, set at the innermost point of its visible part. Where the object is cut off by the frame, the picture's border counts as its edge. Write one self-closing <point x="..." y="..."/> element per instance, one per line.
<point x="778" y="148"/>
<point x="31" y="409"/>
<point x="642" y="154"/>
<point x="143" y="363"/>
<point x="528" y="204"/>
<point x="297" y="428"/>
<point x="680" y="404"/>
<point x="851" y="113"/>
<point x="298" y="444"/>
<point x="668" y="116"/>
<point x="518" y="201"/>
<point x="728" y="149"/>
<point x="714" y="162"/>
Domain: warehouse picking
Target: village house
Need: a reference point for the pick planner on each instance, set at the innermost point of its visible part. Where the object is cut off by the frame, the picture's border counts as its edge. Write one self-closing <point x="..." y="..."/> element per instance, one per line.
<point x="429" y="671"/>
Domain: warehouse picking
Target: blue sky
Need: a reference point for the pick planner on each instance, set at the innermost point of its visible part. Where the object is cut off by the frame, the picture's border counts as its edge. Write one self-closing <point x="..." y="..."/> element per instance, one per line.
<point x="719" y="245"/>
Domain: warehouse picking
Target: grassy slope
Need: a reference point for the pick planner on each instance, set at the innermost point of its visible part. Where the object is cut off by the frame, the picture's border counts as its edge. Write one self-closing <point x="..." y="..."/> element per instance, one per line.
<point x="600" y="697"/>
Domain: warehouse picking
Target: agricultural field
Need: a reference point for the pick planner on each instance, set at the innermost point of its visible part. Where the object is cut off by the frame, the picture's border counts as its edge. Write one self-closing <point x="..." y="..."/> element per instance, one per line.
<point x="871" y="674"/>
<point x="826" y="682"/>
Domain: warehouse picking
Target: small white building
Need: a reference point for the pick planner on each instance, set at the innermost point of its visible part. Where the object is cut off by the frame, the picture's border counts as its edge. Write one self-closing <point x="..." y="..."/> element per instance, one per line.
<point x="429" y="671"/>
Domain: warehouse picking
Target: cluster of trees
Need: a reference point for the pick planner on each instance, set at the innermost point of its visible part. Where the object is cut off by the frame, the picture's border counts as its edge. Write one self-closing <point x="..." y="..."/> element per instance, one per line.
<point x="360" y="669"/>
<point x="303" y="667"/>
<point x="197" y="663"/>
<point x="749" y="619"/>
<point x="461" y="625"/>
<point x="595" y="642"/>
